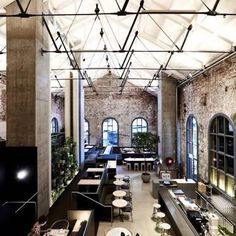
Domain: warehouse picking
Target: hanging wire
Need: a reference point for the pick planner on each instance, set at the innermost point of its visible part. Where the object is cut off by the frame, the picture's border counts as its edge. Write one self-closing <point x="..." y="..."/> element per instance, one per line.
<point x="110" y="24"/>
<point x="118" y="5"/>
<point x="162" y="30"/>
<point x="94" y="52"/>
<point x="74" y="18"/>
<point x="89" y="32"/>
<point x="148" y="51"/>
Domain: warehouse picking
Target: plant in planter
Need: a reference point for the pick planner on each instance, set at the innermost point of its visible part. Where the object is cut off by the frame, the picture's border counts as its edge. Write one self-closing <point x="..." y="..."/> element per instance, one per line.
<point x="145" y="142"/>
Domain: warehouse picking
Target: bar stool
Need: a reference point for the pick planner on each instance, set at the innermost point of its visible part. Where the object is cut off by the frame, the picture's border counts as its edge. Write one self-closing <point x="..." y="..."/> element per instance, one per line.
<point x="129" y="166"/>
<point x="136" y="166"/>
<point x="164" y="227"/>
<point x="149" y="166"/>
<point x="159" y="216"/>
<point x="156" y="207"/>
<point x="142" y="166"/>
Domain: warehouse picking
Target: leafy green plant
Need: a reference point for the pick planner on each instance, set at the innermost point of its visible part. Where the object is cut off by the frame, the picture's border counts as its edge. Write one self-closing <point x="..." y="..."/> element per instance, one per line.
<point x="64" y="167"/>
<point x="145" y="141"/>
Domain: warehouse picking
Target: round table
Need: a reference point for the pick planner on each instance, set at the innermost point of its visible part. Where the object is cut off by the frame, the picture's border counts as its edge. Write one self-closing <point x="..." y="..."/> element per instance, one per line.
<point x="117" y="231"/>
<point x="119" y="177"/>
<point x="119" y="193"/>
<point x="118" y="183"/>
<point x="119" y="203"/>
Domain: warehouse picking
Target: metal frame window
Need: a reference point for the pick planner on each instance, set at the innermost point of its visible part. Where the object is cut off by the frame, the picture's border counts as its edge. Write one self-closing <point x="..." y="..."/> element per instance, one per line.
<point x="139" y="125"/>
<point x="54" y="125"/>
<point x="221" y="154"/>
<point x="192" y="148"/>
<point x="86" y="131"/>
<point x="110" y="132"/>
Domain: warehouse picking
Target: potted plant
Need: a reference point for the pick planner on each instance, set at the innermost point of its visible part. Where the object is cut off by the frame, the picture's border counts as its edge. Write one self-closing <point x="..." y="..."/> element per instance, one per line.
<point x="145" y="142"/>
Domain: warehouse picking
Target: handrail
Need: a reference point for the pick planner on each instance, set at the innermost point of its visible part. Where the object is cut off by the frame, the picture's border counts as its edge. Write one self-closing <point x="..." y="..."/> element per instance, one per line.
<point x="24" y="203"/>
<point x="89" y="198"/>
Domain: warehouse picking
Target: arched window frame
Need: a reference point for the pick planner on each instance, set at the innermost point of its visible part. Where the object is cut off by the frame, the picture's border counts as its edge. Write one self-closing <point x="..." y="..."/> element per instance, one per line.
<point x="221" y="136"/>
<point x="104" y="140"/>
<point x="54" y="125"/>
<point x="87" y="132"/>
<point x="143" y="130"/>
<point x="192" y="148"/>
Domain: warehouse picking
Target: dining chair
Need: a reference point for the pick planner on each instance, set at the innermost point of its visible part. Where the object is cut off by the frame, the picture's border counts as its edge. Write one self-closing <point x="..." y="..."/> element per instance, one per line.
<point x="128" y="209"/>
<point x="128" y="196"/>
<point x="60" y="224"/>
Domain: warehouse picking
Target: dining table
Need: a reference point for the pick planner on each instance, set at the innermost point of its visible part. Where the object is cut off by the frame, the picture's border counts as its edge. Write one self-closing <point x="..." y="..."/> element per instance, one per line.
<point x="119" y="203"/>
<point x="116" y="231"/>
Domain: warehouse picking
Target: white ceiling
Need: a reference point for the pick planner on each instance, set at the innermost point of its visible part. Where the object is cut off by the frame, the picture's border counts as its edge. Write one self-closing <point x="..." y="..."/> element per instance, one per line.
<point x="157" y="31"/>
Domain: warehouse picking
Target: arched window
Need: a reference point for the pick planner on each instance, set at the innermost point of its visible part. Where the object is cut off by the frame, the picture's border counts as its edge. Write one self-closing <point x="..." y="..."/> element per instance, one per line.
<point x="110" y="132"/>
<point x="54" y="125"/>
<point x="221" y="154"/>
<point x="139" y="125"/>
<point x="86" y="131"/>
<point x="192" y="148"/>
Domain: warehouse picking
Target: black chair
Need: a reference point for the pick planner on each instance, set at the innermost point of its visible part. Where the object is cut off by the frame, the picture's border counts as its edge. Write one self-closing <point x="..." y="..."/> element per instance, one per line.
<point x="128" y="209"/>
<point x="128" y="196"/>
<point x="126" y="179"/>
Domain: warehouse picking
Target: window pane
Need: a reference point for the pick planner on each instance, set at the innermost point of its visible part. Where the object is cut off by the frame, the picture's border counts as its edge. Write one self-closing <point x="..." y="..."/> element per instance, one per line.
<point x="110" y="132"/>
<point x="221" y="146"/>
<point x="230" y="186"/>
<point x="221" y="162"/>
<point x="213" y="176"/>
<point x="230" y="165"/>
<point x="221" y="124"/>
<point x="221" y="181"/>
<point x="230" y="146"/>
<point x="213" y="142"/>
<point x="213" y="159"/>
<point x="228" y="128"/>
<point x="139" y="125"/>
<point x="214" y="126"/>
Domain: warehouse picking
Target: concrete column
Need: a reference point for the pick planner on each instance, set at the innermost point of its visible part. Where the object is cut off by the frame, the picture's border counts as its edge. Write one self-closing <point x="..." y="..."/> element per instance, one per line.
<point x="28" y="91"/>
<point x="167" y="117"/>
<point x="74" y="113"/>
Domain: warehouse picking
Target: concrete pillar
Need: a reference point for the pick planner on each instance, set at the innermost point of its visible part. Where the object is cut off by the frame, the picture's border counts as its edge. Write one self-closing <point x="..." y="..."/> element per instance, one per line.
<point x="28" y="92"/>
<point x="74" y="113"/>
<point x="167" y="117"/>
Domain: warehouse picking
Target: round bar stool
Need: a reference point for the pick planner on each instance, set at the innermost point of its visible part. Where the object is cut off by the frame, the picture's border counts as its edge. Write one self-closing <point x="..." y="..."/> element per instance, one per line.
<point x="149" y="166"/>
<point x="136" y="166"/>
<point x="129" y="166"/>
<point x="164" y="227"/>
<point x="159" y="216"/>
<point x="142" y="166"/>
<point x="156" y="207"/>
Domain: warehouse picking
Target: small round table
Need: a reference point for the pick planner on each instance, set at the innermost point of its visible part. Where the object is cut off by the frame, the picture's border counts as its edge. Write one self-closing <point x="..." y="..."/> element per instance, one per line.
<point x="119" y="177"/>
<point x="117" y="231"/>
<point x="119" y="193"/>
<point x="164" y="227"/>
<point x="119" y="203"/>
<point x="118" y="183"/>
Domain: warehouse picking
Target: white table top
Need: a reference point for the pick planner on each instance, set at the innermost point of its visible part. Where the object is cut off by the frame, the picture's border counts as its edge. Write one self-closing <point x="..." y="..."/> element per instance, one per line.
<point x="95" y="169"/>
<point x="119" y="176"/>
<point x="118" y="182"/>
<point x="89" y="182"/>
<point x="57" y="232"/>
<point x="111" y="164"/>
<point x="165" y="226"/>
<point x="139" y="159"/>
<point x="119" y="193"/>
<point x="117" y="231"/>
<point x="119" y="203"/>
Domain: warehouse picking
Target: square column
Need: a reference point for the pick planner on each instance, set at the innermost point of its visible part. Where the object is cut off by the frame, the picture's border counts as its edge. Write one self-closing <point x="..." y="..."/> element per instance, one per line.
<point x="28" y="91"/>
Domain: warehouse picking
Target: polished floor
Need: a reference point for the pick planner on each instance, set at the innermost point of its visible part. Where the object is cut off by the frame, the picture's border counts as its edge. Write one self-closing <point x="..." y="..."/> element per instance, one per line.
<point x="143" y="224"/>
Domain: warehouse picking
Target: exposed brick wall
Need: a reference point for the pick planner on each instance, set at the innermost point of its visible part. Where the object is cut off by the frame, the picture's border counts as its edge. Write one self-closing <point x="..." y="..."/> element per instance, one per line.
<point x="213" y="93"/>
<point x="133" y="103"/>
<point x="57" y="110"/>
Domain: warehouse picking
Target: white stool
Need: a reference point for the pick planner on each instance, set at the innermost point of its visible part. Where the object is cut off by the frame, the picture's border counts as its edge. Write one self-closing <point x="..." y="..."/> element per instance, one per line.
<point x="136" y="166"/>
<point x="164" y="227"/>
<point x="142" y="166"/>
<point x="156" y="207"/>
<point x="149" y="166"/>
<point x="159" y="216"/>
<point x="129" y="166"/>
